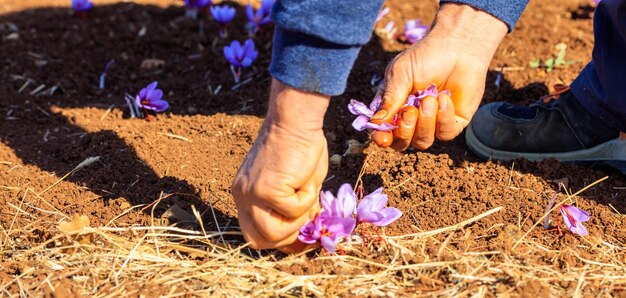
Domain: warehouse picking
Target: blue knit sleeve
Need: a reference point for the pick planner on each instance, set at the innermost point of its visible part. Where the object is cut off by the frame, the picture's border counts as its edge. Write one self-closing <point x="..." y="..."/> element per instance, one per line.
<point x="507" y="11"/>
<point x="317" y="41"/>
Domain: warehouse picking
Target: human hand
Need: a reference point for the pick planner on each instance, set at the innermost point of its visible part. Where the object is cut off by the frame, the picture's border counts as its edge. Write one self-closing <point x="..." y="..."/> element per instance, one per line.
<point x="455" y="56"/>
<point x="277" y="186"/>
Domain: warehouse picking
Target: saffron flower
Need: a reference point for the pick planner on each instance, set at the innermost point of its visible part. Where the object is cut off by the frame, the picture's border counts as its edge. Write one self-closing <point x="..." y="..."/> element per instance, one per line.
<point x="260" y="17"/>
<point x="573" y="218"/>
<point x="192" y="7"/>
<point x="342" y="205"/>
<point x="328" y="229"/>
<point x="223" y="15"/>
<point x="81" y="6"/>
<point x="371" y="209"/>
<point x="365" y="113"/>
<point x="240" y="56"/>
<point x="413" y="100"/>
<point x="414" y="31"/>
<point x="151" y="98"/>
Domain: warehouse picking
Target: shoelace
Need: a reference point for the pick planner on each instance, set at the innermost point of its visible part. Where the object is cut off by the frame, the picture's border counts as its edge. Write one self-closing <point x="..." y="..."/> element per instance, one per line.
<point x="560" y="89"/>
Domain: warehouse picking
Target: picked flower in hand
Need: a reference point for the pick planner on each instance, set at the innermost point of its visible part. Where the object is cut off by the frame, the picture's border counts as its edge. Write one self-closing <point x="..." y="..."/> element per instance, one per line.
<point x="414" y="31"/>
<point x="223" y="15"/>
<point x="574" y="217"/>
<point x="260" y="17"/>
<point x="240" y="57"/>
<point x="365" y="113"/>
<point x="151" y="98"/>
<point x="430" y="91"/>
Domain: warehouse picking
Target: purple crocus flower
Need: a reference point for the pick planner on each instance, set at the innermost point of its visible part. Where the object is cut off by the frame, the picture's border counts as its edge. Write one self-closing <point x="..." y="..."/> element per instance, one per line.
<point x="260" y="17"/>
<point x="342" y="205"/>
<point x="151" y="98"/>
<point x="365" y="113"/>
<point x="328" y="229"/>
<point x="240" y="57"/>
<point x="573" y="218"/>
<point x="371" y="209"/>
<point x="597" y="1"/>
<point x="430" y="91"/>
<point x="414" y="31"/>
<point x="192" y="7"/>
<point x="223" y="15"/>
<point x="80" y="6"/>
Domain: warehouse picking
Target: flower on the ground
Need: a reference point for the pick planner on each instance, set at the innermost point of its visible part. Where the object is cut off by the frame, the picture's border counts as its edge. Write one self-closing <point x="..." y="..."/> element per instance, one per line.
<point x="81" y="5"/>
<point x="414" y="100"/>
<point x="192" y="7"/>
<point x="335" y="221"/>
<point x="342" y="205"/>
<point x="260" y="17"/>
<point x="414" y="31"/>
<point x="151" y="98"/>
<point x="574" y="217"/>
<point x="365" y="113"/>
<point x="372" y="209"/>
<point x="240" y="56"/>
<point x="223" y="15"/>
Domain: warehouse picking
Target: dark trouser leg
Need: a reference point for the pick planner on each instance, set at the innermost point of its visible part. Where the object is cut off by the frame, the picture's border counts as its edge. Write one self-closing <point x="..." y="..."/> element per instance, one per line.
<point x="601" y="86"/>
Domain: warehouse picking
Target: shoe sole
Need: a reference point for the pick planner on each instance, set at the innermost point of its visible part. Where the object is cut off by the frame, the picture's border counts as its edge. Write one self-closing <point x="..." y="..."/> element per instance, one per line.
<point x="611" y="153"/>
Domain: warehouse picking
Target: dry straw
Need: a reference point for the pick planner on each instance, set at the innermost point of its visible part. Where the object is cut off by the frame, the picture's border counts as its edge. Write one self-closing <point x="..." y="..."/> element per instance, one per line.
<point x="122" y="260"/>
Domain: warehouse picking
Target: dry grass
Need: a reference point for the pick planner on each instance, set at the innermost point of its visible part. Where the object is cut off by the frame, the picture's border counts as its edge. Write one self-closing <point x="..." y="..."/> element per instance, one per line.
<point x="115" y="260"/>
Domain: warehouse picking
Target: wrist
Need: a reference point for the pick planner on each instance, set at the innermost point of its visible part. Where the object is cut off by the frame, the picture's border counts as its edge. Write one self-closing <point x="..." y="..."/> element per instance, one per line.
<point x="296" y="109"/>
<point x="477" y="31"/>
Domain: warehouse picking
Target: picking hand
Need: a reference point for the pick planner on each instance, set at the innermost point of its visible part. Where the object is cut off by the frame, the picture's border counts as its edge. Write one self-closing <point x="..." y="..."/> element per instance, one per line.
<point x="455" y="56"/>
<point x="277" y="186"/>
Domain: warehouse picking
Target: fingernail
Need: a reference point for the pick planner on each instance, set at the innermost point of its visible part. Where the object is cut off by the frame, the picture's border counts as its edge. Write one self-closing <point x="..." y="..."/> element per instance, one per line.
<point x="379" y="115"/>
<point x="408" y="118"/>
<point x="428" y="106"/>
<point x="443" y="103"/>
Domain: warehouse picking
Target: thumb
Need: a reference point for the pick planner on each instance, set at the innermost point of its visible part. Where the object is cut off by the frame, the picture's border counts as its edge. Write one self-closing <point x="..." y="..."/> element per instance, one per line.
<point x="396" y="90"/>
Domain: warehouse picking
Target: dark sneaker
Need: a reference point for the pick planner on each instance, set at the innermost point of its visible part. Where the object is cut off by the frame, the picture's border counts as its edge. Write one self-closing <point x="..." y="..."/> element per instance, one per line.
<point x="562" y="129"/>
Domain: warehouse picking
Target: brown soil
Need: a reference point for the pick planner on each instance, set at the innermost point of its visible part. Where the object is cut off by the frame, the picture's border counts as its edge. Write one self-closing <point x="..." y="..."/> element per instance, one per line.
<point x="44" y="137"/>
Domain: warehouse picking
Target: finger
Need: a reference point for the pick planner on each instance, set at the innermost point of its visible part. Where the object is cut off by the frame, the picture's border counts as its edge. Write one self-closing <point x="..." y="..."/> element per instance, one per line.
<point x="275" y="227"/>
<point x="296" y="247"/>
<point x="256" y="239"/>
<point x="424" y="135"/>
<point x="300" y="200"/>
<point x="447" y="126"/>
<point x="398" y="86"/>
<point x="382" y="138"/>
<point x="407" y="120"/>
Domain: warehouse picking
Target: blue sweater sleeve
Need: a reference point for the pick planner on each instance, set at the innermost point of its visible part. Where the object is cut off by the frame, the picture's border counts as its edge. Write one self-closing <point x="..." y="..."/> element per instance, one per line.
<point x="317" y="41"/>
<point x="507" y="11"/>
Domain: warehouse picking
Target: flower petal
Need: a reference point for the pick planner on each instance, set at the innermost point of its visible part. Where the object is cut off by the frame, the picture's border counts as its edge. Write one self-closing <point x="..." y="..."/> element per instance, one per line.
<point x="229" y="54"/>
<point x="328" y="244"/>
<point x="364" y="208"/>
<point x="360" y="123"/>
<point x="379" y="200"/>
<point x="246" y="62"/>
<point x="388" y="215"/>
<point x="375" y="104"/>
<point x="347" y="199"/>
<point x="578" y="214"/>
<point x="358" y="108"/>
